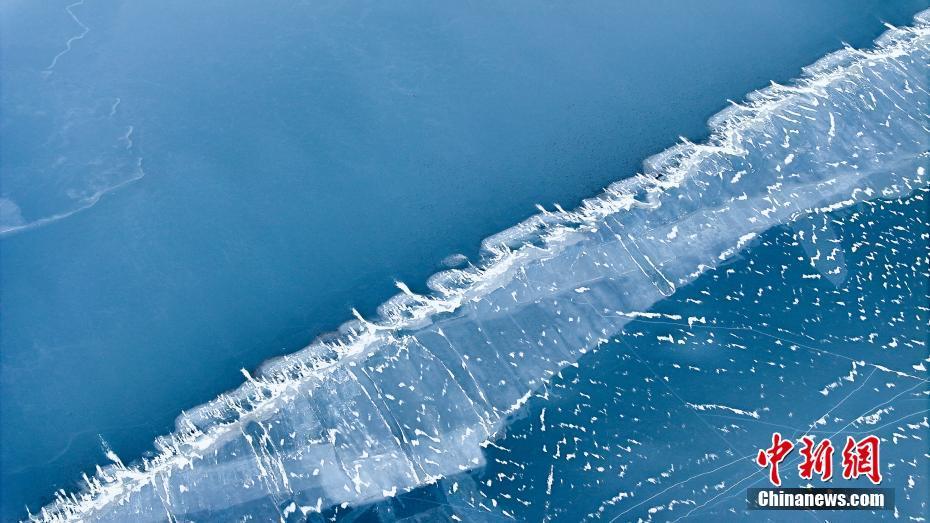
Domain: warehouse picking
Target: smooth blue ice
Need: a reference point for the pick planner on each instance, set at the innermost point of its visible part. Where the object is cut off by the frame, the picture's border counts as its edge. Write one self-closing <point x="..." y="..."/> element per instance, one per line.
<point x="398" y="402"/>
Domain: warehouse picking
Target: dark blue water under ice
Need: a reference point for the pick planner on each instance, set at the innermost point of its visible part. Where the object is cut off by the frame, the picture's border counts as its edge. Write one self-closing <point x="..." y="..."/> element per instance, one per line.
<point x="191" y="190"/>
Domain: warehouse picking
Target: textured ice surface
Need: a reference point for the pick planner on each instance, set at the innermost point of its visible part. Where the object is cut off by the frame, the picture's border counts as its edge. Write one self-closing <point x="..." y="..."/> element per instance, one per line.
<point x="421" y="394"/>
<point x="663" y="422"/>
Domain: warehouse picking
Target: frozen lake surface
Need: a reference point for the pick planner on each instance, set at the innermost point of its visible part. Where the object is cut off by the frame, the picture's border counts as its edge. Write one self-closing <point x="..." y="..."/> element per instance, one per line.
<point x="181" y="204"/>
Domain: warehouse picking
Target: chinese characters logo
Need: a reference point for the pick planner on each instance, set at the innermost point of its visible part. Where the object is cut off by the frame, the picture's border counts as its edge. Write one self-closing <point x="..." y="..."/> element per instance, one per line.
<point x="859" y="458"/>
